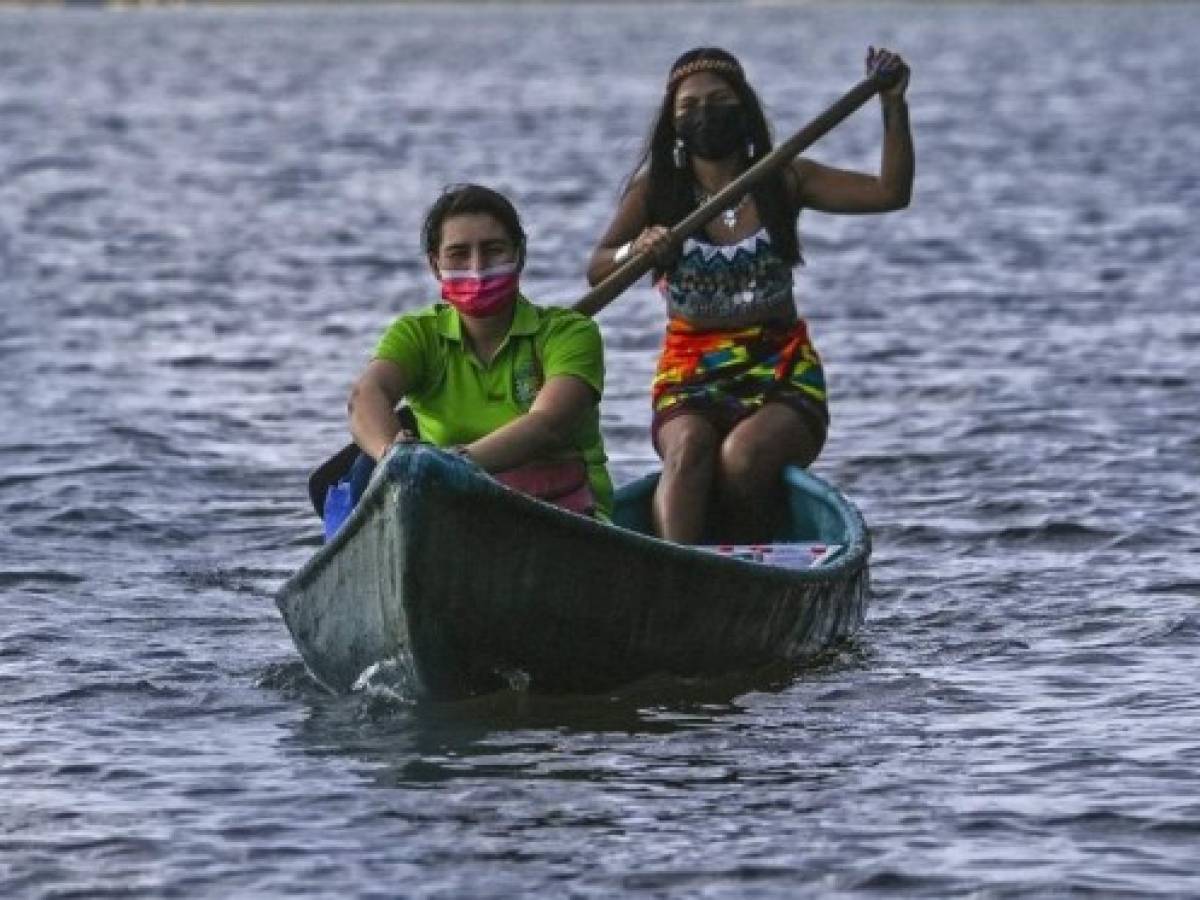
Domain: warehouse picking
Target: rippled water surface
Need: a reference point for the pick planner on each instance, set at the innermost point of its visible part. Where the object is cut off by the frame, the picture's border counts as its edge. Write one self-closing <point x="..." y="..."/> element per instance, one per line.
<point x="206" y="216"/>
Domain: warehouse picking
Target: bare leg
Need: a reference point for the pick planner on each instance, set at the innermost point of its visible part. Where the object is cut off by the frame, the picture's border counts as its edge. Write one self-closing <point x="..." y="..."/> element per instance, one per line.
<point x="751" y="464"/>
<point x="689" y="451"/>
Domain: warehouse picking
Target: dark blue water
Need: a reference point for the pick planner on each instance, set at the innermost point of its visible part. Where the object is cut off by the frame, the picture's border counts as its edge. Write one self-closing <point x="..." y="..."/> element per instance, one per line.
<point x="206" y="217"/>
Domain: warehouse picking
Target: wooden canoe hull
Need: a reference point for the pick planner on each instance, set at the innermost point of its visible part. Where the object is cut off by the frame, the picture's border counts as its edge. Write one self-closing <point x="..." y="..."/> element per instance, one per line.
<point x="476" y="586"/>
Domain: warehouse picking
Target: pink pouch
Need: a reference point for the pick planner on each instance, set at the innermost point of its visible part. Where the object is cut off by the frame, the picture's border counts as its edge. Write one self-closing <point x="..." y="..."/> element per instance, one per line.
<point x="563" y="483"/>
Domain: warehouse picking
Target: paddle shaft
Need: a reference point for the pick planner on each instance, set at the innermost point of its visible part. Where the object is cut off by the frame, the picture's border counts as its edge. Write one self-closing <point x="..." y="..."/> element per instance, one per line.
<point x="639" y="264"/>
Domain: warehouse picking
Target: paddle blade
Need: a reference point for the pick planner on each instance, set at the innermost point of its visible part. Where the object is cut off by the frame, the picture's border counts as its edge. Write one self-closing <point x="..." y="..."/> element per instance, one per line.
<point x="330" y="473"/>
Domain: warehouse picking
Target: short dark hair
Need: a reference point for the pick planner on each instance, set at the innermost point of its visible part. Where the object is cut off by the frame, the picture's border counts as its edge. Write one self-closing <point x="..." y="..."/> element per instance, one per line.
<point x="468" y="199"/>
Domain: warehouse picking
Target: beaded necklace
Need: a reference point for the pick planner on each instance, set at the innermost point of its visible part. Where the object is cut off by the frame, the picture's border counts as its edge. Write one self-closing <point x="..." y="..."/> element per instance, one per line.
<point x="728" y="216"/>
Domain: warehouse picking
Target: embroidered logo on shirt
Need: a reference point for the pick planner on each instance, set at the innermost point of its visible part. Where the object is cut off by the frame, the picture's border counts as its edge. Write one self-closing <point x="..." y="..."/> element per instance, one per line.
<point x="527" y="381"/>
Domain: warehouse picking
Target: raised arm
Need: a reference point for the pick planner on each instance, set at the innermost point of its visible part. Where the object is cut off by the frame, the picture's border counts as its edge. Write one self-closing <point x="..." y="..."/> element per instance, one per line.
<point x="827" y="189"/>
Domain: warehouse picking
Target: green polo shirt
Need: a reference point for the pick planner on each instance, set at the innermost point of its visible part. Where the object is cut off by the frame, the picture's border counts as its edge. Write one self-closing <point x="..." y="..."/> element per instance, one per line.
<point x="457" y="399"/>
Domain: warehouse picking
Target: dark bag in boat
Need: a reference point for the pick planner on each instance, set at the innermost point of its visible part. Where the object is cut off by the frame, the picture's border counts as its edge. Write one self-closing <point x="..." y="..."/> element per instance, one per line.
<point x="563" y="483"/>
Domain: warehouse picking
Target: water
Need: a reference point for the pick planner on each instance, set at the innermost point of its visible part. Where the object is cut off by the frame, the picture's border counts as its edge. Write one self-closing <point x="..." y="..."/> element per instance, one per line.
<point x="206" y="216"/>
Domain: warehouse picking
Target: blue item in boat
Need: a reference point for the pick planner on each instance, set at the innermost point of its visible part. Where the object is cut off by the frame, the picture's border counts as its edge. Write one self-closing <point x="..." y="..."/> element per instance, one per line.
<point x="339" y="502"/>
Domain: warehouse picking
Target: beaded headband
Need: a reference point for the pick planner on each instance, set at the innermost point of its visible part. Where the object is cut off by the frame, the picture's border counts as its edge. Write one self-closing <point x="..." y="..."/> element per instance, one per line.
<point x="720" y="66"/>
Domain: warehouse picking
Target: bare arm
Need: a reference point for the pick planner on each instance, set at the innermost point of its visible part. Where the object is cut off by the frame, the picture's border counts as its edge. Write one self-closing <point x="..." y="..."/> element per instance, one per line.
<point x="372" y="406"/>
<point x="831" y="190"/>
<point x="547" y="427"/>
<point x="627" y="227"/>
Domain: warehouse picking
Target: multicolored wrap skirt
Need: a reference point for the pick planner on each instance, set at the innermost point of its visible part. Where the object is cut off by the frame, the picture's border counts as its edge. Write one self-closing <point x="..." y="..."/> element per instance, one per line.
<point x="728" y="375"/>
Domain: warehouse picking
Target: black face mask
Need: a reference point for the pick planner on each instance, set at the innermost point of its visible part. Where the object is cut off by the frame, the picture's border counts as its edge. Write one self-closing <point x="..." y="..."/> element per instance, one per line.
<point x="712" y="132"/>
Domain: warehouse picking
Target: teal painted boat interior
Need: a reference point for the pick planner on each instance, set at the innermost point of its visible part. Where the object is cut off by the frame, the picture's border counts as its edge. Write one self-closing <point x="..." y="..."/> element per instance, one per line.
<point x="816" y="511"/>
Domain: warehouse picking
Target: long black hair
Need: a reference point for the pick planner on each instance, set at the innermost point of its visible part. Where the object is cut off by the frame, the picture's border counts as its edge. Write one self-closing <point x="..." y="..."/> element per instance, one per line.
<point x="671" y="191"/>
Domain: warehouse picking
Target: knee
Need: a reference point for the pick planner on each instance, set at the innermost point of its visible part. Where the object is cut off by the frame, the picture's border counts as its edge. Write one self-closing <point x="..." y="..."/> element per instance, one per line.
<point x="746" y="466"/>
<point x="689" y="450"/>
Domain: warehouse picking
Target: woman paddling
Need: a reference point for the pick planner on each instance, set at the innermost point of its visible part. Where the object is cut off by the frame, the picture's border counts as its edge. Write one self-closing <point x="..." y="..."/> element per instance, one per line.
<point x="512" y="386"/>
<point x="739" y="391"/>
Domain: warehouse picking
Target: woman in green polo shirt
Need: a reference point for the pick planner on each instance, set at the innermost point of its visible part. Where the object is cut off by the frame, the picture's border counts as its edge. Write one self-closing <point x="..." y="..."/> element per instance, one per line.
<point x="512" y="386"/>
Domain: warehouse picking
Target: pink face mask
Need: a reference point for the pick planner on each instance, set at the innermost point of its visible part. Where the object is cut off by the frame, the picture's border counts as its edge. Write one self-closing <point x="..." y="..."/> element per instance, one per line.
<point x="481" y="294"/>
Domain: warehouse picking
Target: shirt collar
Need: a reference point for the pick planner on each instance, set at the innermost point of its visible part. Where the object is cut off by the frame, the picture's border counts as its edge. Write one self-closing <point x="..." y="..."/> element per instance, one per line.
<point x="525" y="320"/>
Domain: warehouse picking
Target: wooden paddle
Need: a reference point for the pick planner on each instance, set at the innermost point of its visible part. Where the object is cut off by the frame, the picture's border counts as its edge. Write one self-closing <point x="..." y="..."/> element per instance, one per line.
<point x="639" y="264"/>
<point x="335" y="468"/>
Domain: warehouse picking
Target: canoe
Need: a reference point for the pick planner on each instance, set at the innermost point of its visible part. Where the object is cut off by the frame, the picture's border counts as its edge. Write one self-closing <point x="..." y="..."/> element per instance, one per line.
<point x="473" y="587"/>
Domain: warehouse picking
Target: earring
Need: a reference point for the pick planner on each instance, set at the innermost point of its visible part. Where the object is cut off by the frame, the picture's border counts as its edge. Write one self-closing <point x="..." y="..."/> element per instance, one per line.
<point x="750" y="149"/>
<point x="679" y="154"/>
